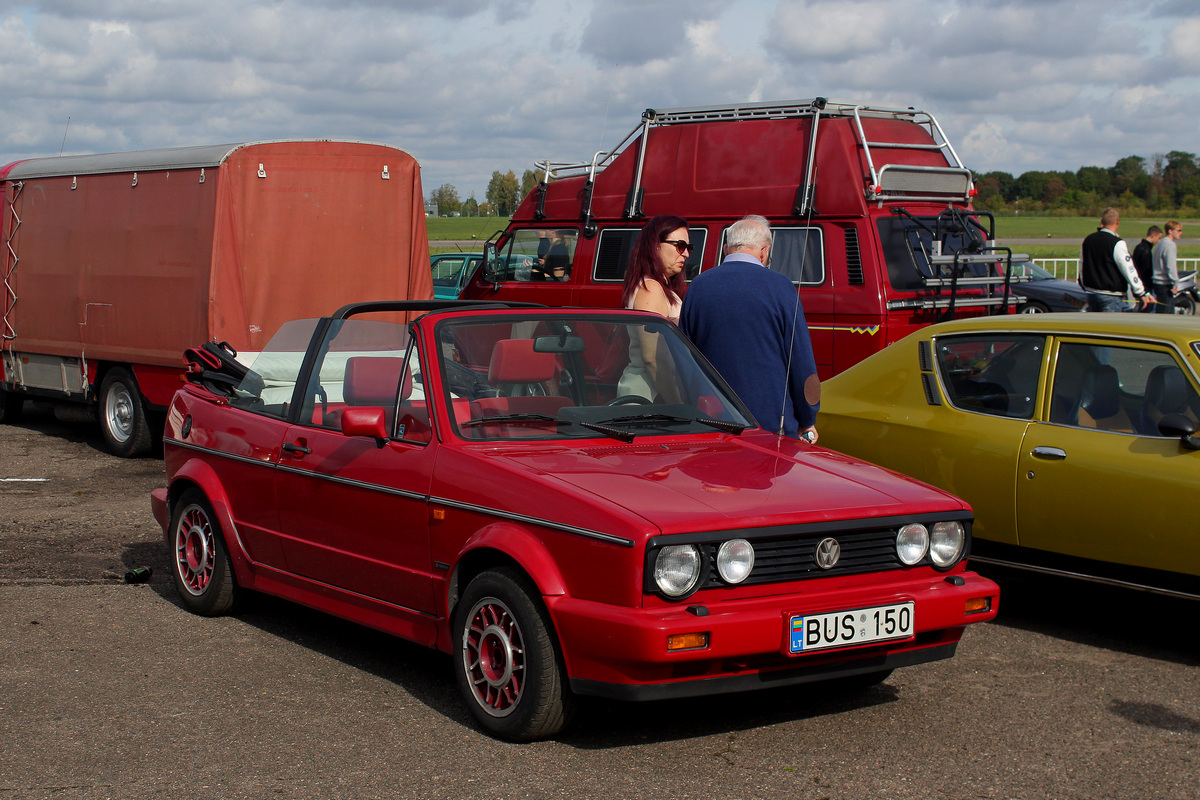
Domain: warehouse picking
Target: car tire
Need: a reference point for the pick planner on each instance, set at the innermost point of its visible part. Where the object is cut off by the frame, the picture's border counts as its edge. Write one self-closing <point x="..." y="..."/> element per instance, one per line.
<point x="123" y="415"/>
<point x="1033" y="307"/>
<point x="507" y="661"/>
<point x="11" y="406"/>
<point x="200" y="561"/>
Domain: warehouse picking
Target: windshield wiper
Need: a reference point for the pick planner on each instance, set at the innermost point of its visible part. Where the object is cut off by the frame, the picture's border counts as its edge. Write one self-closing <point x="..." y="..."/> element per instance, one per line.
<point x="518" y="418"/>
<point x="616" y="433"/>
<point x="719" y="424"/>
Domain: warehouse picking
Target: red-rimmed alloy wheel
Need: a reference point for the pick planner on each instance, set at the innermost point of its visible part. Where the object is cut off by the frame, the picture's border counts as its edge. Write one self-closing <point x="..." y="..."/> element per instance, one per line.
<point x="203" y="573"/>
<point x="507" y="661"/>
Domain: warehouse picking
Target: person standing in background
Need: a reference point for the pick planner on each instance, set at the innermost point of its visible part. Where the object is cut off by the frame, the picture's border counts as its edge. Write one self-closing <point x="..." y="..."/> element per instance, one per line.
<point x="1141" y="258"/>
<point x="1165" y="271"/>
<point x="1106" y="270"/>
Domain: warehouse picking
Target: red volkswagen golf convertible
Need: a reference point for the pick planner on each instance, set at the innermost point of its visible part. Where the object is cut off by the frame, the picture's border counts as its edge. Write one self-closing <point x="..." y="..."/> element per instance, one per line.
<point x="568" y="501"/>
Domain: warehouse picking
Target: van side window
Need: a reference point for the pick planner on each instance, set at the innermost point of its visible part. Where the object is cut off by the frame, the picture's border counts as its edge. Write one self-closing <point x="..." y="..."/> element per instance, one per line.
<point x="538" y="254"/>
<point x="616" y="245"/>
<point x="797" y="253"/>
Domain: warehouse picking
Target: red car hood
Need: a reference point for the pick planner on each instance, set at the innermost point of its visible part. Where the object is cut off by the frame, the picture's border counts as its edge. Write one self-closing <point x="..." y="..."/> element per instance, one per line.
<point x="731" y="482"/>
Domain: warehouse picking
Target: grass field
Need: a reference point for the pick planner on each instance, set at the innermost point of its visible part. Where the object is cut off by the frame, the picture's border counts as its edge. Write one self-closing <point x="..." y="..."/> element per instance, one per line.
<point x="463" y="228"/>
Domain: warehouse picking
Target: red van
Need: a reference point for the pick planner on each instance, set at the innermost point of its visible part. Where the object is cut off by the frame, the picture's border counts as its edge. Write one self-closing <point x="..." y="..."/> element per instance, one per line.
<point x="870" y="208"/>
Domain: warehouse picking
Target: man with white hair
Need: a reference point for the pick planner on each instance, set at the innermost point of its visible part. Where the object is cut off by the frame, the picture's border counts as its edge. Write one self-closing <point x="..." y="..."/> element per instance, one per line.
<point x="747" y="320"/>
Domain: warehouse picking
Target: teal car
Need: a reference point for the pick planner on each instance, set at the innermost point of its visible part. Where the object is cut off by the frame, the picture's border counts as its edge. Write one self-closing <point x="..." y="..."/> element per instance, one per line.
<point x="450" y="272"/>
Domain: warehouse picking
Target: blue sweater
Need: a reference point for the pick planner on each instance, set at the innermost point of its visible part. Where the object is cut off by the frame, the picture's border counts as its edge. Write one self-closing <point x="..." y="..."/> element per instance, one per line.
<point x="740" y="315"/>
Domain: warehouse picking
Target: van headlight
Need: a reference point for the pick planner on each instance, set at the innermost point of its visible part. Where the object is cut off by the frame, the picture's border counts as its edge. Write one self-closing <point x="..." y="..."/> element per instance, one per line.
<point x="912" y="543"/>
<point x="677" y="569"/>
<point x="735" y="559"/>
<point x="946" y="543"/>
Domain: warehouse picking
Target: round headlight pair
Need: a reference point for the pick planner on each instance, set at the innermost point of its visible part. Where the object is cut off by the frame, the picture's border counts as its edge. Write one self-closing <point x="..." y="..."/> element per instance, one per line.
<point x="678" y="567"/>
<point x="944" y="543"/>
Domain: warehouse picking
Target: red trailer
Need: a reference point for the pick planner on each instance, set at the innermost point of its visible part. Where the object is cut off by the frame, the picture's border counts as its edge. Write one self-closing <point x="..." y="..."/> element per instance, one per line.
<point x="870" y="209"/>
<point x="114" y="264"/>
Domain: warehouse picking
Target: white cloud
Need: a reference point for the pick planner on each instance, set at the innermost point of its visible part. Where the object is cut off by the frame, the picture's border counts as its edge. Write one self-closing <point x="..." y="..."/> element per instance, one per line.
<point x="470" y="86"/>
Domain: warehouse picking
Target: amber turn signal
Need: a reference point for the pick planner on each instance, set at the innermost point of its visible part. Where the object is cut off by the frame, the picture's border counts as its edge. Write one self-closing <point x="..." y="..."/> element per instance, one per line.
<point x="977" y="604"/>
<point x="687" y="641"/>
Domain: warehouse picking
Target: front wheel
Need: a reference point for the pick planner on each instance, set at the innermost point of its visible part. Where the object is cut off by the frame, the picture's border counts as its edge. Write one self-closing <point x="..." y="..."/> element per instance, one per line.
<point x="506" y="659"/>
<point x="199" y="561"/>
<point x="1033" y="307"/>
<point x="122" y="415"/>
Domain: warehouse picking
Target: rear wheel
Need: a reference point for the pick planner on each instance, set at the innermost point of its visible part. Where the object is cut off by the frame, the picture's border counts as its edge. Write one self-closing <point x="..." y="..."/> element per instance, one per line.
<point x="199" y="560"/>
<point x="506" y="659"/>
<point x="122" y="415"/>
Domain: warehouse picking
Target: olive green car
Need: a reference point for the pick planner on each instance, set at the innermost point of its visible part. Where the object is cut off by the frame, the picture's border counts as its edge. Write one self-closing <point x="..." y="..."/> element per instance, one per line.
<point x="1071" y="435"/>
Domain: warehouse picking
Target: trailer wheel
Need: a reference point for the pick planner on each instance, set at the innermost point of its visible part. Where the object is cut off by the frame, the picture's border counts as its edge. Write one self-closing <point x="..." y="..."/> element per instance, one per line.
<point x="11" y="405"/>
<point x="122" y="415"/>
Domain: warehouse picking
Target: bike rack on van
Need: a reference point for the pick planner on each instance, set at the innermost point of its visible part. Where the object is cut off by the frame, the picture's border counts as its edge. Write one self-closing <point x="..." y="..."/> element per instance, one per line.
<point x="885" y="182"/>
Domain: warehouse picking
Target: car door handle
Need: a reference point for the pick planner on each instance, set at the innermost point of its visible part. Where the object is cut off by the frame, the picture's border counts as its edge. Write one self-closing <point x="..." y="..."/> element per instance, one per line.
<point x="296" y="449"/>
<point x="1049" y="453"/>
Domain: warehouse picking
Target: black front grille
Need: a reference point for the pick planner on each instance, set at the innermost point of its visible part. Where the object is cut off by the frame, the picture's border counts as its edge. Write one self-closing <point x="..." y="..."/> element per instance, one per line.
<point x="791" y="558"/>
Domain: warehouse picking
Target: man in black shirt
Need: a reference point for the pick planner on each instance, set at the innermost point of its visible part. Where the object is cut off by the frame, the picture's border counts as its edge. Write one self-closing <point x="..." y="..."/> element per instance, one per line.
<point x="1141" y="258"/>
<point x="1106" y="270"/>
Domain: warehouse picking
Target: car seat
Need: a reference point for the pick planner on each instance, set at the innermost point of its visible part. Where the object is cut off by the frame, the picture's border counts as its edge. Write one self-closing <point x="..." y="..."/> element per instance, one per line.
<point x="1166" y="393"/>
<point x="1100" y="401"/>
<point x="372" y="381"/>
<point x="523" y="378"/>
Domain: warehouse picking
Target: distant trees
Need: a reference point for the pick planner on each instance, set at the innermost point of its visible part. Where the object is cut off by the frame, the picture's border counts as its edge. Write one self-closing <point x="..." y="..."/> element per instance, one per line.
<point x="504" y="193"/>
<point x="1162" y="183"/>
<point x="446" y="197"/>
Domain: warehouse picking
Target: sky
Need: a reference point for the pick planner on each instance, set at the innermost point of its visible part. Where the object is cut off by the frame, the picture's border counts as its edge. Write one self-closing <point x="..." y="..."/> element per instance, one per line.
<point x="473" y="86"/>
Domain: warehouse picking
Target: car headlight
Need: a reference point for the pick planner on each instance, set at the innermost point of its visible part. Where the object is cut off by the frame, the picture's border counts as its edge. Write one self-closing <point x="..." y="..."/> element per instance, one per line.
<point x="946" y="543"/>
<point x="912" y="543"/>
<point x="735" y="559"/>
<point x="677" y="569"/>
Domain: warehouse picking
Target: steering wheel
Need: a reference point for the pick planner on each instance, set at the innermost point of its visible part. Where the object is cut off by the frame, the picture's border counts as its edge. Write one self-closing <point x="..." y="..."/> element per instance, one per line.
<point x="628" y="399"/>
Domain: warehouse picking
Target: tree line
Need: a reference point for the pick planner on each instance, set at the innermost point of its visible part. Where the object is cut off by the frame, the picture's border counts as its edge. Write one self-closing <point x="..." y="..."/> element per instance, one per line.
<point x="1162" y="183"/>
<point x="1167" y="183"/>
<point x="504" y="193"/>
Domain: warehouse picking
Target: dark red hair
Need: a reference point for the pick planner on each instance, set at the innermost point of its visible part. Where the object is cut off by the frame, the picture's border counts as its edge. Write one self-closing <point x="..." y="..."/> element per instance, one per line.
<point x="643" y="261"/>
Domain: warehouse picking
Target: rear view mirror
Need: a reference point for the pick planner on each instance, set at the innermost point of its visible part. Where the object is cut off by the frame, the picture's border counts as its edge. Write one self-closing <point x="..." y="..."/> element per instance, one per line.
<point x="558" y="344"/>
<point x="490" y="270"/>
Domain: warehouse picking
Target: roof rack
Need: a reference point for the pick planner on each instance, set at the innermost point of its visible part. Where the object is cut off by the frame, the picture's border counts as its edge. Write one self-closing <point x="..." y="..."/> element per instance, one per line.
<point x="952" y="182"/>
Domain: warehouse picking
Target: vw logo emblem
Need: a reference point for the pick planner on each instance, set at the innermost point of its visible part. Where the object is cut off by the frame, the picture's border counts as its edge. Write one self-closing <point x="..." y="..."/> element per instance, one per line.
<point x="828" y="552"/>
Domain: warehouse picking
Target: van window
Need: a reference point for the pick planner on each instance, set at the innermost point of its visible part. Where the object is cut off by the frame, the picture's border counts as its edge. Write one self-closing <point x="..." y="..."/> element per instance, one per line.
<point x="907" y="245"/>
<point x="538" y="254"/>
<point x="616" y="244"/>
<point x="797" y="253"/>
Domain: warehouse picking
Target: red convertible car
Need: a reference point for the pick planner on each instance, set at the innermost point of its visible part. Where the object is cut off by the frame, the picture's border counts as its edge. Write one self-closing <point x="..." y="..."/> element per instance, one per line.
<point x="568" y="501"/>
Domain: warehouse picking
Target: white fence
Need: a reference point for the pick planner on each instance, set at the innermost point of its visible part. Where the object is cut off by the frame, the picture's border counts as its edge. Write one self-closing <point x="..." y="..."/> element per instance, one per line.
<point x="1068" y="268"/>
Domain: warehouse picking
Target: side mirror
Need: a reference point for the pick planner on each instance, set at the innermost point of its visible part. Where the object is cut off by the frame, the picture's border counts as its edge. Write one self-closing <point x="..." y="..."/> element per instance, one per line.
<point x="1181" y="426"/>
<point x="491" y="273"/>
<point x="366" y="421"/>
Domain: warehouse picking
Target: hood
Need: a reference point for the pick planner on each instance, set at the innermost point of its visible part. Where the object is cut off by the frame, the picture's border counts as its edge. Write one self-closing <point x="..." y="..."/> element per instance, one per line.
<point x="753" y="481"/>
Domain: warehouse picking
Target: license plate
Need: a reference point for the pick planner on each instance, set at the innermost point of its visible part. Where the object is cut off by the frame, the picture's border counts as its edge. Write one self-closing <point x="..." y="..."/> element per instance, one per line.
<point x="849" y="628"/>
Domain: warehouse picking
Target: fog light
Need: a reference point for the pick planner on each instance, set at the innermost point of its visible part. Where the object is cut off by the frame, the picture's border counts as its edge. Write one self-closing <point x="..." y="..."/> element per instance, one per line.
<point x="687" y="641"/>
<point x="978" y="605"/>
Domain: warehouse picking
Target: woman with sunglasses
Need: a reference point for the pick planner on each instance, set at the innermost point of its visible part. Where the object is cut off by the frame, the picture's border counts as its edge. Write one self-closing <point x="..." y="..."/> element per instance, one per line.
<point x="654" y="281"/>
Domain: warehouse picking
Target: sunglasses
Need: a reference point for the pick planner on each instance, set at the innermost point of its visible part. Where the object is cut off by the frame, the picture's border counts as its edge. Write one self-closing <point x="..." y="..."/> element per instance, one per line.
<point x="685" y="248"/>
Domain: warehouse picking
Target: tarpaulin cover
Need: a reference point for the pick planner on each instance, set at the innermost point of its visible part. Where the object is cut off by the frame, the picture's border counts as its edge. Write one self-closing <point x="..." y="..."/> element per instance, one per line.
<point x="136" y="264"/>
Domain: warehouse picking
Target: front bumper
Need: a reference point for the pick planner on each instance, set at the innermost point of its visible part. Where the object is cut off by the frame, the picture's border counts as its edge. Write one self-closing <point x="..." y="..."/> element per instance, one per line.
<point x="622" y="652"/>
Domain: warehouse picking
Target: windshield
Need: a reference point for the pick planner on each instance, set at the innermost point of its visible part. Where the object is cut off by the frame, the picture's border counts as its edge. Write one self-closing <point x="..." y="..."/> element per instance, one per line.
<point x="562" y="377"/>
